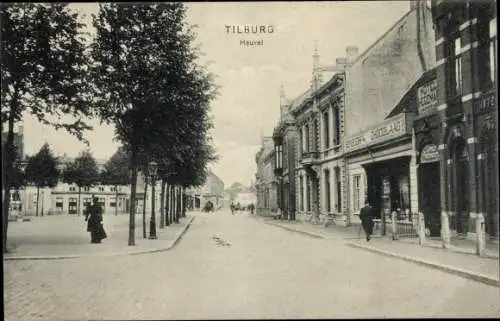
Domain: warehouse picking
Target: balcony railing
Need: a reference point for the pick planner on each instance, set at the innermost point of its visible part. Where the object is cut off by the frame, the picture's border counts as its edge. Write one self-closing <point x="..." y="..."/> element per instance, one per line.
<point x="309" y="158"/>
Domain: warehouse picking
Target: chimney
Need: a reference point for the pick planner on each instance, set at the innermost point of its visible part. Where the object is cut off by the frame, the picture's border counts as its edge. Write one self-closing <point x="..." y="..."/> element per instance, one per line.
<point x="352" y="53"/>
<point x="341" y="62"/>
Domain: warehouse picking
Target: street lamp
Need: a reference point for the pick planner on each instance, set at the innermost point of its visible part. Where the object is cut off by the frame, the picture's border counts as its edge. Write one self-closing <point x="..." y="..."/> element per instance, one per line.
<point x="152" y="171"/>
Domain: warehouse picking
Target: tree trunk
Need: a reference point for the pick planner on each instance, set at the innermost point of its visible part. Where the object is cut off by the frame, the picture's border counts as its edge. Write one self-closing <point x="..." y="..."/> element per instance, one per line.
<point x="37" y="199"/>
<point x="167" y="204"/>
<point x="8" y="170"/>
<point x="116" y="200"/>
<point x="162" y="204"/>
<point x="183" y="201"/>
<point x="178" y="206"/>
<point x="79" y="198"/>
<point x="133" y="190"/>
<point x="172" y="204"/>
<point x="144" y="210"/>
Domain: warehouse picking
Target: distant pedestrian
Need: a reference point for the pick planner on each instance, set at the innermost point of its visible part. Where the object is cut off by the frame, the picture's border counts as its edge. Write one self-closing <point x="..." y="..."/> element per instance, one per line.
<point x="366" y="216"/>
<point x="93" y="216"/>
<point x="252" y="208"/>
<point x="232" y="208"/>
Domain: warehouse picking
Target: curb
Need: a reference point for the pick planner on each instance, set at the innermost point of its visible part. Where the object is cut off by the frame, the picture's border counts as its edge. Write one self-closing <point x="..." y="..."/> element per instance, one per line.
<point x="76" y="256"/>
<point x="318" y="236"/>
<point x="445" y="268"/>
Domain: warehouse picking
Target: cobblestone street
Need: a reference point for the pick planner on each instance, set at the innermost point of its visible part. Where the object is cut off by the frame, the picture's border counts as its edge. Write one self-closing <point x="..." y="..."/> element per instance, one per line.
<point x="232" y="266"/>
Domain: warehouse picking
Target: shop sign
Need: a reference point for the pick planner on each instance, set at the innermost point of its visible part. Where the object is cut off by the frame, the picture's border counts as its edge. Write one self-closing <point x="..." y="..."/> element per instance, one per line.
<point x="485" y="103"/>
<point x="394" y="127"/>
<point x="429" y="154"/>
<point x="427" y="96"/>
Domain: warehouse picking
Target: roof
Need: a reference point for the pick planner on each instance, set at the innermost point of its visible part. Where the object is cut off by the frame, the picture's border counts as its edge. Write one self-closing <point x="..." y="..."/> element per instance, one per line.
<point x="410" y="93"/>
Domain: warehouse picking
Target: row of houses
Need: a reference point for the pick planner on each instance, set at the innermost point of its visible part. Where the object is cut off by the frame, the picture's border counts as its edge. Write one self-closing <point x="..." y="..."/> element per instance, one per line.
<point x="409" y="125"/>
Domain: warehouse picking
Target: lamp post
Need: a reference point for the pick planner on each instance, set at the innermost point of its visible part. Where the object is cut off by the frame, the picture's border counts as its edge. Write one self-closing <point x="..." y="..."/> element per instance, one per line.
<point x="152" y="171"/>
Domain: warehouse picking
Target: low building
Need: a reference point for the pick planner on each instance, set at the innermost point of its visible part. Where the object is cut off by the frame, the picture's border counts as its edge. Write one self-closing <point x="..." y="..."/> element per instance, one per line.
<point x="212" y="190"/>
<point x="65" y="198"/>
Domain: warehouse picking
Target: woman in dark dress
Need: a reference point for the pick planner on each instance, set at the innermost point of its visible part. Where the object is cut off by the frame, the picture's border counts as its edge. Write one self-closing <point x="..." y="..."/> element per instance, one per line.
<point x="93" y="216"/>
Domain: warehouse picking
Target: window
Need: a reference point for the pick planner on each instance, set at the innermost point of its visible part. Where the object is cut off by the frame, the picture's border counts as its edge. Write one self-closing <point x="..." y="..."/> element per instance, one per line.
<point x="458" y="66"/>
<point x="113" y="189"/>
<point x="86" y="189"/>
<point x="301" y="192"/>
<point x="326" y="130"/>
<point x="308" y="193"/>
<point x="336" y="126"/>
<point x="72" y="189"/>
<point x="328" y="205"/>
<point x="59" y="204"/>
<point x="112" y="204"/>
<point x="338" y="203"/>
<point x="315" y="135"/>
<point x="101" y="189"/>
<point x="306" y="138"/>
<point x="285" y="154"/>
<point x="356" y="192"/>
<point x="487" y="34"/>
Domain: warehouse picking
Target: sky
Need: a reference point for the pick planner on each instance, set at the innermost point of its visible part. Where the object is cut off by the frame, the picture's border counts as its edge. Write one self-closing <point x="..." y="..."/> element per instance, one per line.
<point x="249" y="76"/>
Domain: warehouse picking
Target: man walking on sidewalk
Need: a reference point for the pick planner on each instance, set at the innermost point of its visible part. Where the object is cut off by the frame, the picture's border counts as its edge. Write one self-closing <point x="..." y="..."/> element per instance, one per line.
<point x="366" y="216"/>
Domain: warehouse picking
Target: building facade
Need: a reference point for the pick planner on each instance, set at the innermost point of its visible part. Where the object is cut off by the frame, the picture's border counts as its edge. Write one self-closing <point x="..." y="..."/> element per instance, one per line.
<point x="379" y="147"/>
<point x="265" y="183"/>
<point x="464" y="124"/>
<point x="285" y="142"/>
<point x="212" y="190"/>
<point x="65" y="198"/>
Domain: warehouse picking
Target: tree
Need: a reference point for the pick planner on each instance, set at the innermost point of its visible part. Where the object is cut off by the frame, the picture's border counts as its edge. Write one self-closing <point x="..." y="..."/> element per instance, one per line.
<point x="42" y="171"/>
<point x="146" y="80"/>
<point x="116" y="172"/>
<point x="43" y="70"/>
<point x="83" y="172"/>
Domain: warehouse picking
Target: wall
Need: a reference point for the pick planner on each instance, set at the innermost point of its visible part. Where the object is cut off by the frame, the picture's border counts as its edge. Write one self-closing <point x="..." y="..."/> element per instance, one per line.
<point x="377" y="80"/>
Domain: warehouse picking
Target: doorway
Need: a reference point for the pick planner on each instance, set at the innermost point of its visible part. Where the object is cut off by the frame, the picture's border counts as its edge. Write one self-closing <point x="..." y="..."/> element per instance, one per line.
<point x="460" y="186"/>
<point x="430" y="196"/>
<point x="489" y="182"/>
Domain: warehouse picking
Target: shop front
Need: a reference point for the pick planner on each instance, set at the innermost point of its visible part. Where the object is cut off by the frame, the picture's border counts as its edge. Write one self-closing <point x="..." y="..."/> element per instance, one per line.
<point x="380" y="169"/>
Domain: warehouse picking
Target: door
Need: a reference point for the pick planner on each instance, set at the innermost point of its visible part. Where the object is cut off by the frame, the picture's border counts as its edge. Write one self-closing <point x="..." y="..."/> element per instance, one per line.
<point x="460" y="186"/>
<point x="430" y="197"/>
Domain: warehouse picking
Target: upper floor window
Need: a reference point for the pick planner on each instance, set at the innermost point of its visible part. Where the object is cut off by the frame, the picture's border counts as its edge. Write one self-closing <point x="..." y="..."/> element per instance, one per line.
<point x="86" y="189"/>
<point x="336" y="126"/>
<point x="306" y="138"/>
<point x="457" y="62"/>
<point x="487" y="51"/>
<point x="72" y="189"/>
<point x="326" y="130"/>
<point x="101" y="189"/>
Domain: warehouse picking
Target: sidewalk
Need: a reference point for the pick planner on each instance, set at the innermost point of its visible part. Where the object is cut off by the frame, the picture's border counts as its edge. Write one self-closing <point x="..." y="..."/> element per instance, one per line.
<point x="460" y="259"/>
<point x="65" y="236"/>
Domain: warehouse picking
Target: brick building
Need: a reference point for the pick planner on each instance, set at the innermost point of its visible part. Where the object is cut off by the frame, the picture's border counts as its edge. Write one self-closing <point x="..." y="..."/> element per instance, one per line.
<point x="464" y="123"/>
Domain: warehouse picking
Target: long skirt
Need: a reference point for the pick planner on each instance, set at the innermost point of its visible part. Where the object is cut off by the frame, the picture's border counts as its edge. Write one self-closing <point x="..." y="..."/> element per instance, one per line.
<point x="98" y="234"/>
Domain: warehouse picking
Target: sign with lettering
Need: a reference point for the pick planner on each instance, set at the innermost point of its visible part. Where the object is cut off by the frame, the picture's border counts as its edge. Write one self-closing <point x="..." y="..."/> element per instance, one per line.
<point x="485" y="103"/>
<point x="392" y="128"/>
<point x="429" y="154"/>
<point x="427" y="96"/>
